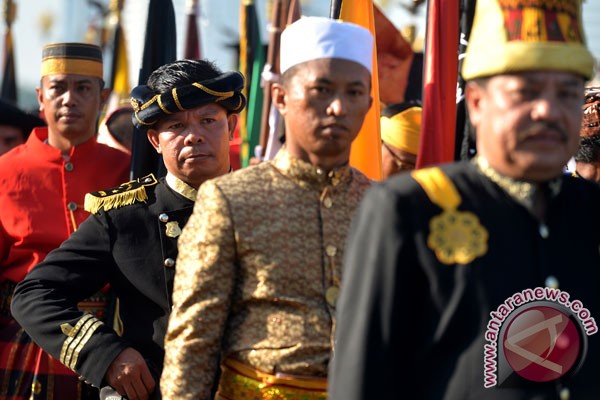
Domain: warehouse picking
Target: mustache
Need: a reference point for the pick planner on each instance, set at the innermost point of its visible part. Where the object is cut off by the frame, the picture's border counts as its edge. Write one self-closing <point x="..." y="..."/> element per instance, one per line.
<point x="539" y="128"/>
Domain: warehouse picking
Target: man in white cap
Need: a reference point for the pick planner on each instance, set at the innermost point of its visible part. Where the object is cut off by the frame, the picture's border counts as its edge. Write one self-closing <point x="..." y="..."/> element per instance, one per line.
<point x="466" y="281"/>
<point x="260" y="259"/>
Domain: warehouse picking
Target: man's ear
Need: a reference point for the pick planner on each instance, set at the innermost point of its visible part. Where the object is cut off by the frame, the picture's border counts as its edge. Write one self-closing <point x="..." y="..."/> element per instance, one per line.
<point x="474" y="96"/>
<point x="232" y="122"/>
<point x="104" y="95"/>
<point x="278" y="97"/>
<point x="40" y="98"/>
<point x="152" y="135"/>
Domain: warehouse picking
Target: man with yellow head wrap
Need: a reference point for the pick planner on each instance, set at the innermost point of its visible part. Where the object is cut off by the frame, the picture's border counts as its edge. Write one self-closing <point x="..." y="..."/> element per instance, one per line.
<point x="464" y="281"/>
<point x="400" y="137"/>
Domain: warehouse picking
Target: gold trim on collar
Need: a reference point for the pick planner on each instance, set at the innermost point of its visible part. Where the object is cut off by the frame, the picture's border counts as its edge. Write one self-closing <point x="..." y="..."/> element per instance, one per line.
<point x="181" y="187"/>
<point x="519" y="190"/>
<point x="304" y="174"/>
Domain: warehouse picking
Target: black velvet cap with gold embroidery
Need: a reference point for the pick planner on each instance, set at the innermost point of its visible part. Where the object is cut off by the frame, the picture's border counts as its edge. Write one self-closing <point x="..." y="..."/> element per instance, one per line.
<point x="149" y="107"/>
<point x="72" y="58"/>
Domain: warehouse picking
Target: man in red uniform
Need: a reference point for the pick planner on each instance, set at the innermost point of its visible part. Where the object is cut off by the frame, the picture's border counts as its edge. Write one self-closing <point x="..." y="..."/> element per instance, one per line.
<point x="43" y="183"/>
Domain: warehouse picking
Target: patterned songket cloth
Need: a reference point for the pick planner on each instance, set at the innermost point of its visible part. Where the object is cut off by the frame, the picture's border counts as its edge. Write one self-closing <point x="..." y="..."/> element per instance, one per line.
<point x="239" y="381"/>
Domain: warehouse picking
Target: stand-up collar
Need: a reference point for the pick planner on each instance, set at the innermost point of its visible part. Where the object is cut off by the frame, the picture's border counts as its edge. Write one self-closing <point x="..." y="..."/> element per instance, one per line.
<point x="521" y="191"/>
<point x="307" y="175"/>
<point x="181" y="187"/>
<point x="37" y="141"/>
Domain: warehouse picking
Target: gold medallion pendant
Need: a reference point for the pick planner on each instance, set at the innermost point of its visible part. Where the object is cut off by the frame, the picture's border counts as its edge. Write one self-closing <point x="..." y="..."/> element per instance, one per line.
<point x="457" y="237"/>
<point x="172" y="229"/>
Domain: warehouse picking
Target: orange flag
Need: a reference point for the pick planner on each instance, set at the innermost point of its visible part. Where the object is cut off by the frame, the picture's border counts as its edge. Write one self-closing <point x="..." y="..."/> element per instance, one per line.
<point x="366" y="148"/>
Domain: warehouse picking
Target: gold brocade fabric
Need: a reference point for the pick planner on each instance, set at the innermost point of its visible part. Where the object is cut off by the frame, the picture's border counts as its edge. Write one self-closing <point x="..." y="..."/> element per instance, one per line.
<point x="237" y="381"/>
<point x="255" y="261"/>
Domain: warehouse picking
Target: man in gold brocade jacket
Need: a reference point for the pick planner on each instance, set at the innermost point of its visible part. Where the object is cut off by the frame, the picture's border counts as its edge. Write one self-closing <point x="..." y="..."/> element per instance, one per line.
<point x="260" y="259"/>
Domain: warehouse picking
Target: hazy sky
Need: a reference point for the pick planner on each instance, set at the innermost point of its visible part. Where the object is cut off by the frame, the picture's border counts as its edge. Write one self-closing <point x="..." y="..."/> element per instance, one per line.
<point x="68" y="20"/>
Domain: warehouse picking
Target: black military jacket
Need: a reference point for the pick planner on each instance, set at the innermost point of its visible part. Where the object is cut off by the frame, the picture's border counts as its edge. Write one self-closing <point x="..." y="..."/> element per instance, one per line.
<point x="133" y="248"/>
<point x="414" y="315"/>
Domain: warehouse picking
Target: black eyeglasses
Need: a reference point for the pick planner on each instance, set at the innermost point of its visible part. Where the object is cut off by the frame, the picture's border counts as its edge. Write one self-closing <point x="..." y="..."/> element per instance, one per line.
<point x="401" y="164"/>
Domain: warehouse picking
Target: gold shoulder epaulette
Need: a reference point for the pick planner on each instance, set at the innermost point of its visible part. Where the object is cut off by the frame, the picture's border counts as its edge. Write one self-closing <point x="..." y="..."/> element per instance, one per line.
<point x="127" y="193"/>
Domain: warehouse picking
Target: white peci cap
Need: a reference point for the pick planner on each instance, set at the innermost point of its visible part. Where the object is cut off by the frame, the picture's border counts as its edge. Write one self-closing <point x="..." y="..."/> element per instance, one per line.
<point x="313" y="38"/>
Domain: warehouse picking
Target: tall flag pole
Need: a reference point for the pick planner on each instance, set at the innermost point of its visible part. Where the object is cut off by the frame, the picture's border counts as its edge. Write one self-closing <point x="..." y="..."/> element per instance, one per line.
<point x="192" y="50"/>
<point x="439" y="84"/>
<point x="289" y="14"/>
<point x="365" y="154"/>
<point x="252" y="60"/>
<point x="465" y="136"/>
<point x="159" y="48"/>
<point x="119" y="69"/>
<point x="9" y="81"/>
<point x="245" y="62"/>
<point x="294" y="13"/>
<point x="270" y="74"/>
<point x="335" y="7"/>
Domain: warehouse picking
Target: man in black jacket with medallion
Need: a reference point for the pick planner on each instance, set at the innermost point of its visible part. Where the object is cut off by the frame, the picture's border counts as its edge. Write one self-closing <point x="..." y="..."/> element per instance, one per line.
<point x="479" y="279"/>
<point x="189" y="110"/>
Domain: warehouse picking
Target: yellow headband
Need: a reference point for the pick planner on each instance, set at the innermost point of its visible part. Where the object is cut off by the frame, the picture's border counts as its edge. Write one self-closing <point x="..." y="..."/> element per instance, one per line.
<point x="74" y="66"/>
<point x="403" y="130"/>
<point x="72" y="58"/>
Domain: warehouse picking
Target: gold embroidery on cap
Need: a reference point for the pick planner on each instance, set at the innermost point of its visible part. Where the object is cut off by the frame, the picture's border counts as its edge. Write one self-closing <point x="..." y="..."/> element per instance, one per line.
<point x="541" y="20"/>
<point x="135" y="104"/>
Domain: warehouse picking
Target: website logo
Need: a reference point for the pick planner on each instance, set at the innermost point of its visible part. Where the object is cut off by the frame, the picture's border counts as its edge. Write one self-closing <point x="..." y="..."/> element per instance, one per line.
<point x="537" y="334"/>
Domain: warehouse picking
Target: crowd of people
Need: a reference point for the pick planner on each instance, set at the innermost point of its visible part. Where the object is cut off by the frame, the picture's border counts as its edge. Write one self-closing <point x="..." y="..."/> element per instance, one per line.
<point x="299" y="278"/>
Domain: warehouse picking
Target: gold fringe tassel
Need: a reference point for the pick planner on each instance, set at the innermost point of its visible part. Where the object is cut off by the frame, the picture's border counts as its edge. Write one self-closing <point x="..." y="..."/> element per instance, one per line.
<point x="93" y="203"/>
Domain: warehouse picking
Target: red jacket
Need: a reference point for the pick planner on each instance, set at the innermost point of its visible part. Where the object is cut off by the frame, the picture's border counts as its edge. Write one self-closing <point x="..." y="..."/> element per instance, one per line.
<point x="41" y="196"/>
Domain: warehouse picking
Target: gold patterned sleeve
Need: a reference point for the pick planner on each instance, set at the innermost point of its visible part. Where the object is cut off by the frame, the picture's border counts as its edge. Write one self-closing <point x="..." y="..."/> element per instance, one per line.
<point x="203" y="285"/>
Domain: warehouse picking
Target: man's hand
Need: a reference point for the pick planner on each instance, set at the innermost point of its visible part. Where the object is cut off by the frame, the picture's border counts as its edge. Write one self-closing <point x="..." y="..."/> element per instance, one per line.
<point x="130" y="376"/>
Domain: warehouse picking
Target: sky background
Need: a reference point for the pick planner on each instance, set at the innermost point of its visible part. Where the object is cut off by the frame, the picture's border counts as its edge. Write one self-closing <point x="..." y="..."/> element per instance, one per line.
<point x="39" y="22"/>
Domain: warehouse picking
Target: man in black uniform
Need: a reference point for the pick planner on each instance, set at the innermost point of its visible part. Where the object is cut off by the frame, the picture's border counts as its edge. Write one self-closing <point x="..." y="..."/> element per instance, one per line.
<point x="479" y="279"/>
<point x="189" y="110"/>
